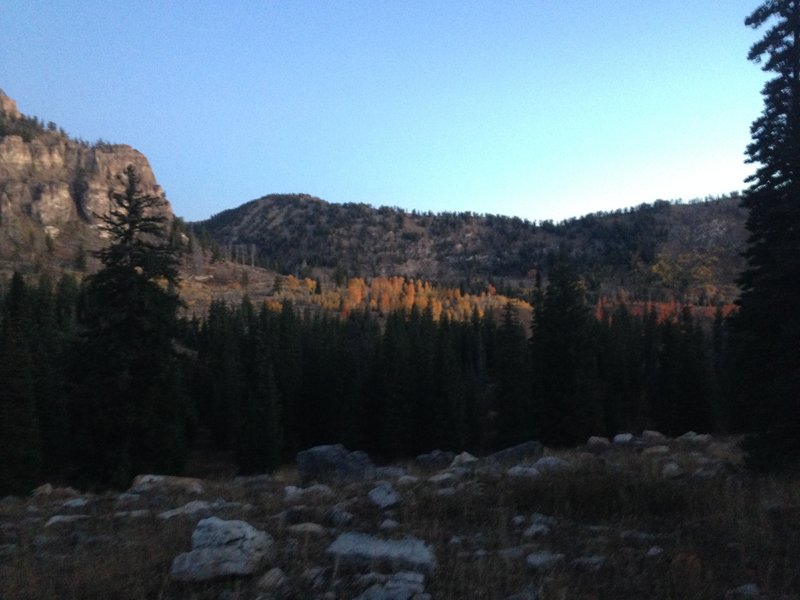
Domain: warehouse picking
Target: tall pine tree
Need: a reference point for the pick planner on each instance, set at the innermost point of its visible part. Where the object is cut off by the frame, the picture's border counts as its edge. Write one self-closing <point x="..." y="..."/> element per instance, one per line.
<point x="128" y="407"/>
<point x="767" y="327"/>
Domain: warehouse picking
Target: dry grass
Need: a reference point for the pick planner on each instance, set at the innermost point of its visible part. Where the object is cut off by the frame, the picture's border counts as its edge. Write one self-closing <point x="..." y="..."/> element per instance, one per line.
<point x="715" y="534"/>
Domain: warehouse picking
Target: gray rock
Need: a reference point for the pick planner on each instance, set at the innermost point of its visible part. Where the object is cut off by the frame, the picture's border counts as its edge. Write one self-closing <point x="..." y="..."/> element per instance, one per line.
<point x="528" y="593"/>
<point x="384" y="495"/>
<point x="434" y="460"/>
<point x="293" y="493"/>
<point x="465" y="458"/>
<point x="338" y="516"/>
<point x="65" y="519"/>
<point x="389" y="525"/>
<point x="75" y="503"/>
<point x="444" y="477"/>
<point x="147" y="483"/>
<point x="695" y="438"/>
<point x="656" y="450"/>
<point x="132" y="514"/>
<point x="623" y="438"/>
<point x="589" y="563"/>
<point x="524" y="472"/>
<point x="389" y="472"/>
<point x="540" y="519"/>
<point x="195" y="509"/>
<point x="361" y="548"/>
<point x="543" y="560"/>
<point x="273" y="579"/>
<point x="333" y="463"/>
<point x="654" y="552"/>
<point x="223" y="548"/>
<point x="748" y="590"/>
<point x="551" y="464"/>
<point x="597" y="443"/>
<point x="537" y="530"/>
<point x="446" y="492"/>
<point x="518" y="453"/>
<point x="407" y="480"/>
<point x="671" y="470"/>
<point x="651" y="436"/>
<point x="400" y="586"/>
<point x="306" y="529"/>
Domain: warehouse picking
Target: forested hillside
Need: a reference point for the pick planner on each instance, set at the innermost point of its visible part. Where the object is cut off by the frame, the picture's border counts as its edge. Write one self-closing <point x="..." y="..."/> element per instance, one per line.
<point x="662" y="251"/>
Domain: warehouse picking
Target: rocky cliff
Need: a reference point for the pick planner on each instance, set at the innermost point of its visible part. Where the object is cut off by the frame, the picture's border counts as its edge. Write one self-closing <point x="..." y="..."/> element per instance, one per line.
<point x="52" y="189"/>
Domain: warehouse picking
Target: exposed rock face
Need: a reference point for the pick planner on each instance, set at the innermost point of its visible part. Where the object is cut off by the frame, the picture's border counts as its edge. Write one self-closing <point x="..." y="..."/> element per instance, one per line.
<point x="53" y="186"/>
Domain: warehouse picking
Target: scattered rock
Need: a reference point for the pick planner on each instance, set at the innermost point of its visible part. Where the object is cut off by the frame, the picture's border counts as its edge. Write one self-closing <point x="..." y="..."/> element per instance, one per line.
<point x="384" y="495"/>
<point x="407" y="480"/>
<point x="361" y="548"/>
<point x="518" y="453"/>
<point x="389" y="525"/>
<point x="671" y="470"/>
<point x="656" y="450"/>
<point x="695" y="438"/>
<point x="338" y="516"/>
<point x="389" y="472"/>
<point x="195" y="509"/>
<point x="306" y="529"/>
<point x="518" y="521"/>
<point x="589" y="563"/>
<point x="65" y="519"/>
<point x="551" y="464"/>
<point x="524" y="471"/>
<point x="75" y="503"/>
<point x="297" y="494"/>
<point x="147" y="483"/>
<point x="444" y="477"/>
<point x="465" y="458"/>
<point x="400" y="586"/>
<point x="650" y="436"/>
<point x="623" y="438"/>
<point x="333" y="462"/>
<point x="537" y="530"/>
<point x="748" y="590"/>
<point x="435" y="460"/>
<point x="222" y="548"/>
<point x="597" y="443"/>
<point x="543" y="560"/>
<point x="273" y="579"/>
<point x="654" y="552"/>
<point x="446" y="491"/>
<point x="43" y="490"/>
<point x="132" y="514"/>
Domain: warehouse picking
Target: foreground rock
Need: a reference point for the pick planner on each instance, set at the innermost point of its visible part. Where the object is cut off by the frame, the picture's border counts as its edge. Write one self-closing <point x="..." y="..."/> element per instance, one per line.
<point x="362" y="549"/>
<point x="323" y="463"/>
<point x="223" y="548"/>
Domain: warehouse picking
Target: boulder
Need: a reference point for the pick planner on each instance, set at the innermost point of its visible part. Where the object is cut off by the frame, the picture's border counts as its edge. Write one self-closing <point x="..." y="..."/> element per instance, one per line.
<point x="543" y="560"/>
<point x="598" y="443"/>
<point x="434" y="460"/>
<point x="399" y="586"/>
<point x="551" y="464"/>
<point x="65" y="519"/>
<point x="465" y="458"/>
<point x="146" y="483"/>
<point x="526" y="471"/>
<point x="195" y="509"/>
<point x="333" y="462"/>
<point x="223" y="548"/>
<point x="364" y="549"/>
<point x="650" y="436"/>
<point x="520" y="452"/>
<point x="274" y="579"/>
<point x="623" y="438"/>
<point x="384" y="495"/>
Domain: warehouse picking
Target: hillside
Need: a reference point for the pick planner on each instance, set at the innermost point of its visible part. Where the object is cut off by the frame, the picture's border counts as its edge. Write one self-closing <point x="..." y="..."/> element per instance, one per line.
<point x="664" y="251"/>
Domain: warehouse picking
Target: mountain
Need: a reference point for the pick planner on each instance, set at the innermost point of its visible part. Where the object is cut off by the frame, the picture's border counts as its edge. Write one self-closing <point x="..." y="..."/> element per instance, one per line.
<point x="52" y="189"/>
<point x="662" y="251"/>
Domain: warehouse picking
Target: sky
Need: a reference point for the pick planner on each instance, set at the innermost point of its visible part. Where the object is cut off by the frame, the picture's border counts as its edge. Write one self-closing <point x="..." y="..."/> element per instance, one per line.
<point x="542" y="109"/>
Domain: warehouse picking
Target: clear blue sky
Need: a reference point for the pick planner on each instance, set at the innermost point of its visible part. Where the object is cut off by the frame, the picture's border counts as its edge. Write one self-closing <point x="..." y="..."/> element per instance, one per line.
<point x="544" y="109"/>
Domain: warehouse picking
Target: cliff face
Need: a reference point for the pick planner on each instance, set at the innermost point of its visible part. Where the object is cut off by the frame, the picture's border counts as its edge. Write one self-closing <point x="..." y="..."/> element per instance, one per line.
<point x="53" y="187"/>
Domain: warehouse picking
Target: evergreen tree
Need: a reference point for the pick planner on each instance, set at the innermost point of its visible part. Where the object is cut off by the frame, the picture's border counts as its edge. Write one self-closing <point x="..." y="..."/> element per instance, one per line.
<point x="20" y="437"/>
<point x="767" y="327"/>
<point x="128" y="407"/>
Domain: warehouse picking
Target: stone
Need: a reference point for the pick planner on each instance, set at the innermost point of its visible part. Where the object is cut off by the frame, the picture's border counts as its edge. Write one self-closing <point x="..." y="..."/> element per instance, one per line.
<point x="389" y="525"/>
<point x="333" y="463"/>
<point x="399" y="586"/>
<point x="518" y="521"/>
<point x="748" y="590"/>
<point x="297" y="494"/>
<point x="623" y="438"/>
<point x="223" y="548"/>
<point x="407" y="480"/>
<point x="465" y="458"/>
<point x="528" y="593"/>
<point x="147" y="483"/>
<point x="597" y="443"/>
<point x="43" y="490"/>
<point x="551" y="464"/>
<point x="384" y="495"/>
<point x="543" y="560"/>
<point x="389" y="472"/>
<point x="306" y="529"/>
<point x="537" y="530"/>
<point x="520" y="452"/>
<point x="650" y="436"/>
<point x="444" y="477"/>
<point x="540" y="519"/>
<point x="434" y="460"/>
<point x="654" y="552"/>
<point x="132" y="514"/>
<point x="594" y="562"/>
<point x="695" y="438"/>
<point x="195" y="509"/>
<point x="338" y="516"/>
<point x="671" y="470"/>
<point x="273" y="579"/>
<point x="361" y="548"/>
<point x="75" y="503"/>
<point x="446" y="492"/>
<point x="655" y="450"/>
<point x="524" y="471"/>
<point x="65" y="519"/>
